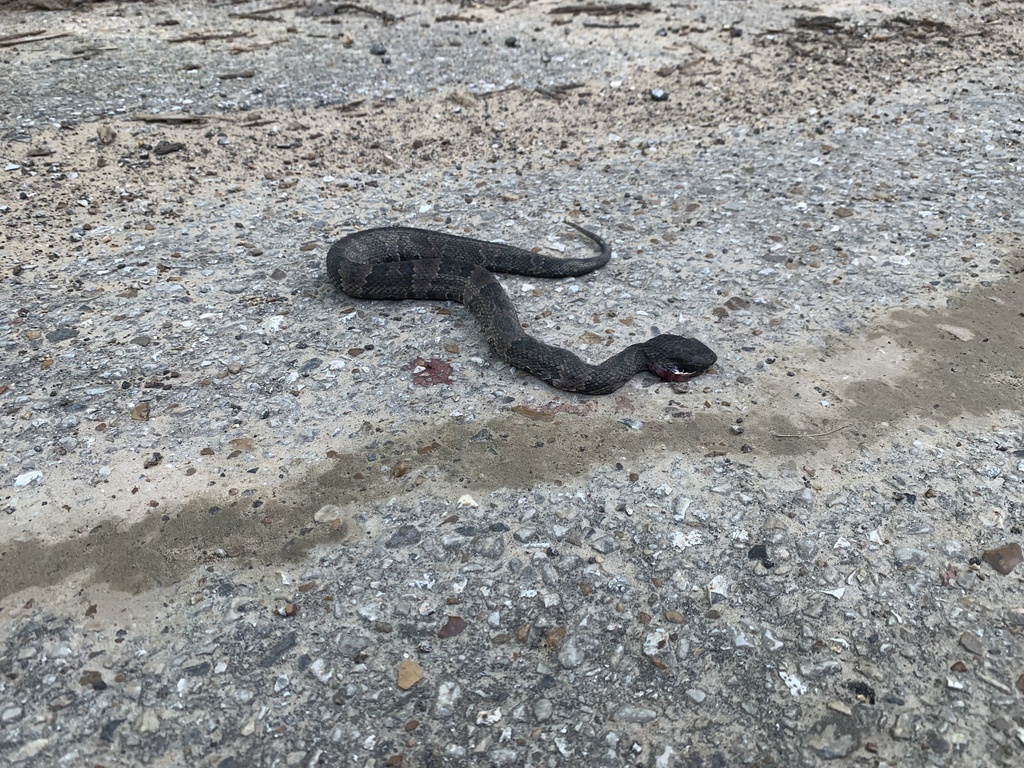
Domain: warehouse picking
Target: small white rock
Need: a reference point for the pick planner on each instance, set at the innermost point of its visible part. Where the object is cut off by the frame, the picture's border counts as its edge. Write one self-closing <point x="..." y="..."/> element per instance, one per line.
<point x="448" y="694"/>
<point x="321" y="671"/>
<point x="655" y="642"/>
<point x="795" y="684"/>
<point x="681" y="540"/>
<point x="488" y="716"/>
<point x="327" y="513"/>
<point x="27" y="478"/>
<point x="148" y="722"/>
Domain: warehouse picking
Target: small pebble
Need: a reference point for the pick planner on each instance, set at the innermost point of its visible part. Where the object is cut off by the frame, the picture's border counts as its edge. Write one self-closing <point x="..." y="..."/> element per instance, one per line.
<point x="409" y="673"/>
<point x="327" y="513"/>
<point x="488" y="716"/>
<point x="542" y="709"/>
<point x="147" y="722"/>
<point x="1003" y="559"/>
<point x="571" y="654"/>
<point x="454" y="627"/>
<point x="405" y="536"/>
<point x="632" y="713"/>
<point x="448" y="694"/>
<point x="27" y="478"/>
<point x="909" y="556"/>
<point x="972" y="643"/>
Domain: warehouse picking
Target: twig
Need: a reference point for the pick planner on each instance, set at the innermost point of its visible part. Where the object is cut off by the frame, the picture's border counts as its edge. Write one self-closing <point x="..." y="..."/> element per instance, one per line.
<point x="557" y="92"/>
<point x="353" y="108"/>
<point x="386" y="17"/>
<point x="603" y="10"/>
<point x="82" y="54"/>
<point x="812" y="434"/>
<point x="199" y="37"/>
<point x="9" y="43"/>
<point x="273" y="8"/>
<point x="456" y="17"/>
<point x="258" y="123"/>
<point x="237" y="49"/>
<point x="818" y="22"/>
<point x="19" y="35"/>
<point x="496" y="91"/>
<point x="255" y="16"/>
<point x="170" y="119"/>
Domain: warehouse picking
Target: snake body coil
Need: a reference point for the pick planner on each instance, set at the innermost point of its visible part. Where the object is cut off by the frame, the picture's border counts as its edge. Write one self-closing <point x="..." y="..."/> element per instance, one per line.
<point x="407" y="263"/>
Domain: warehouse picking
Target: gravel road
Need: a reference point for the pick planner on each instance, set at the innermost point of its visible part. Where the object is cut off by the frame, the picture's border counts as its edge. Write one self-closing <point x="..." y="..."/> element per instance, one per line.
<point x="251" y="521"/>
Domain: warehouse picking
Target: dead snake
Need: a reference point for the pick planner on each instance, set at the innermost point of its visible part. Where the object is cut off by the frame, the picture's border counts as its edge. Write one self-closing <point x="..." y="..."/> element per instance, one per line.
<point x="408" y="263"/>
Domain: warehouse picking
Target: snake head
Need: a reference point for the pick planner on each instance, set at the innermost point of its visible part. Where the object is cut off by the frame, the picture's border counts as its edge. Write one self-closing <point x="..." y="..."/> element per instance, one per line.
<point x="678" y="358"/>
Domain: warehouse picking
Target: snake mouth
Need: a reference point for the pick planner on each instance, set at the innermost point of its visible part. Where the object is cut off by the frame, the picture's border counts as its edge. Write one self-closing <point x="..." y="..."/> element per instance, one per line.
<point x="676" y="372"/>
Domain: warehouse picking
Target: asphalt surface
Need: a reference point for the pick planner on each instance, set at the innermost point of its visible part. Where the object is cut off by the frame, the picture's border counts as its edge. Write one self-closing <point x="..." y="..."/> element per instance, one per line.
<point x="252" y="521"/>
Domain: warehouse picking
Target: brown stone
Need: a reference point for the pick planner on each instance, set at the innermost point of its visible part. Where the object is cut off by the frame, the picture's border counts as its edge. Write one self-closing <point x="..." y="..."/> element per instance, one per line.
<point x="1005" y="558"/>
<point x="455" y="626"/>
<point x="554" y="637"/>
<point x="92" y="679"/>
<point x="409" y="673"/>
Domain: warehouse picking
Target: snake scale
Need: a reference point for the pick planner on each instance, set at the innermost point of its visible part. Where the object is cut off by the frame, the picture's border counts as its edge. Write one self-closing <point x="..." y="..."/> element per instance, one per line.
<point x="408" y="263"/>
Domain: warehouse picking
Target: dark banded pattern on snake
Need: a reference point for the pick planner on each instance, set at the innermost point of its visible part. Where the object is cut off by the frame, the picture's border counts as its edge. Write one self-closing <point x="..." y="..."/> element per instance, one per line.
<point x="406" y="263"/>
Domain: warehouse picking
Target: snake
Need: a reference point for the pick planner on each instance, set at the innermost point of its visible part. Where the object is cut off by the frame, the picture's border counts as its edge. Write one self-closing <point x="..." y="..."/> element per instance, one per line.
<point x="397" y="263"/>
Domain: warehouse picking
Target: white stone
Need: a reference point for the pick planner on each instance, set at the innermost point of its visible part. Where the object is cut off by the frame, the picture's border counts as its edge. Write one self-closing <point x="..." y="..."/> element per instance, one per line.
<point x="27" y="478"/>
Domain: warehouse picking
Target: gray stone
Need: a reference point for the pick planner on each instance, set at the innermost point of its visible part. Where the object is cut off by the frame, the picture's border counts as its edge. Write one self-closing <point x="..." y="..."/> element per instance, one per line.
<point x="448" y="694"/>
<point x="571" y="653"/>
<point x="405" y="536"/>
<point x="542" y="709"/>
<point x="632" y="713"/>
<point x="909" y="556"/>
<point x="834" y="737"/>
